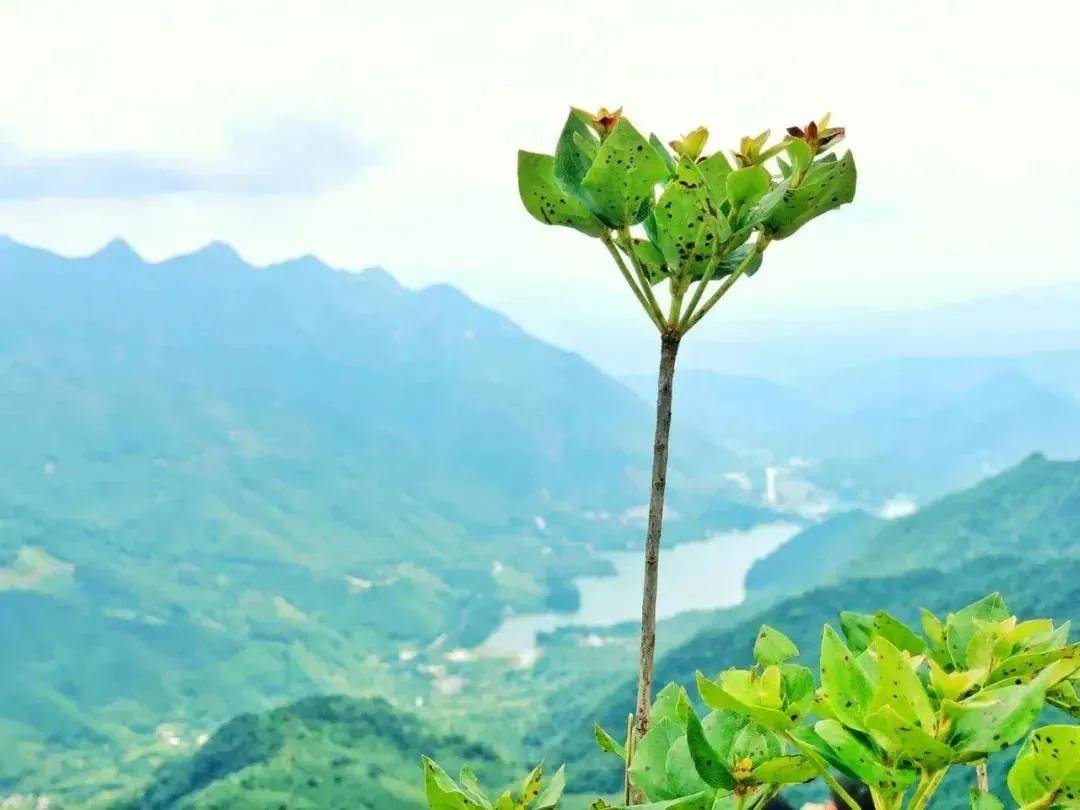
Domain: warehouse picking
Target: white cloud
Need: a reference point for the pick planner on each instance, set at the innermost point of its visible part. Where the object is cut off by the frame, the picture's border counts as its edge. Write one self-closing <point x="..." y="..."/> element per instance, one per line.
<point x="961" y="115"/>
<point x="289" y="157"/>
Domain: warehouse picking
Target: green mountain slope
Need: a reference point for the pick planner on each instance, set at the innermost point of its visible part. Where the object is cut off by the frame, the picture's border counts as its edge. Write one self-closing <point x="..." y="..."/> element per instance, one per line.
<point x="1031" y="510"/>
<point x="322" y="752"/>
<point x="815" y="555"/>
<point x="1017" y="533"/>
<point x="225" y="487"/>
<point x="923" y="426"/>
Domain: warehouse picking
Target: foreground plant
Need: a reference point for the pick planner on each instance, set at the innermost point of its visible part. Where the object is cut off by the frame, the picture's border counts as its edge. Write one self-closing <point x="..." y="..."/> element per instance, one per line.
<point x="894" y="709"/>
<point x="443" y="793"/>
<point x="685" y="221"/>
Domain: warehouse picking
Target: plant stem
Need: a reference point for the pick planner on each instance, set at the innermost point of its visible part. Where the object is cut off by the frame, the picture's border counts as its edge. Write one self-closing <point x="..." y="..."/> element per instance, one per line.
<point x="710" y="271"/>
<point x="692" y="319"/>
<point x="928" y="785"/>
<point x="669" y="347"/>
<point x="630" y="280"/>
<point x="678" y="290"/>
<point x="643" y="277"/>
<point x="982" y="777"/>
<point x="823" y="769"/>
<point x="629" y="757"/>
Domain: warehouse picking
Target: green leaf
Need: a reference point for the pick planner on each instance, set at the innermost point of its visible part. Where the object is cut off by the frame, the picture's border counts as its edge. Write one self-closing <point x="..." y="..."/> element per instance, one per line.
<point x="960" y="626"/>
<point x="753" y="744"/>
<point x="745" y="186"/>
<point x="715" y="170"/>
<point x="810" y="745"/>
<point x="977" y="800"/>
<point x="671" y="703"/>
<point x="736" y="691"/>
<point x="549" y="797"/>
<point x="621" y="180"/>
<point x="899" y="687"/>
<point x="785" y="770"/>
<point x="1065" y="697"/>
<point x="689" y="228"/>
<point x="800" y="153"/>
<point x="682" y="775"/>
<point x="699" y="801"/>
<point x="663" y="152"/>
<point x="608" y="744"/>
<point x="441" y="791"/>
<point x="546" y="201"/>
<point x="647" y="768"/>
<point x="575" y="152"/>
<point x="857" y="628"/>
<point x="994" y="719"/>
<point x="901" y="738"/>
<point x="467" y="780"/>
<point x="798" y="685"/>
<point x="651" y="258"/>
<point x="898" y="633"/>
<point x="1047" y="770"/>
<point x="848" y="688"/>
<point x="827" y="185"/>
<point x="530" y="788"/>
<point x="721" y="728"/>
<point x="773" y="647"/>
<point x="1026" y="664"/>
<point x="733" y="260"/>
<point x="708" y="762"/>
<point x="861" y="759"/>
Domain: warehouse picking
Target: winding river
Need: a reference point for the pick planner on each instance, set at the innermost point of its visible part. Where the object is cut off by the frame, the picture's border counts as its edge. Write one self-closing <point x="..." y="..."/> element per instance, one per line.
<point x="700" y="575"/>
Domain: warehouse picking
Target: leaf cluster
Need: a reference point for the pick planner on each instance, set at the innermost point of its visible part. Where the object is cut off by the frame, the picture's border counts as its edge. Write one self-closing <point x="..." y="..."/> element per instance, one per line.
<point x="443" y="793"/>
<point x="702" y="217"/>
<point x="893" y="708"/>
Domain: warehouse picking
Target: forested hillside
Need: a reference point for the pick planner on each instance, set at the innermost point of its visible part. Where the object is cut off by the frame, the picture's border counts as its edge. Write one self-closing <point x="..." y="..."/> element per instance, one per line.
<point x="225" y="487"/>
<point x="1026" y="523"/>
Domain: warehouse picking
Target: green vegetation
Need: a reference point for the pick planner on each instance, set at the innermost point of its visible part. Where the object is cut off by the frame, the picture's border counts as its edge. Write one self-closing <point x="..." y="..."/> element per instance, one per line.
<point x="443" y="793"/>
<point x="326" y="752"/>
<point x="703" y="219"/>
<point x="895" y="710"/>
<point x="201" y="516"/>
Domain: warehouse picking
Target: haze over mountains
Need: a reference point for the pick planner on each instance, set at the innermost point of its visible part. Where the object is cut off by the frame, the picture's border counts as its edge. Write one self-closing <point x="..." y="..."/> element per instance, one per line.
<point x="224" y="487"/>
<point x="227" y="487"/>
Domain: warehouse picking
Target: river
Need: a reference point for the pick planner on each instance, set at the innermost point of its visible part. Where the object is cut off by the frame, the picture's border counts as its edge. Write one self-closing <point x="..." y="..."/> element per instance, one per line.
<point x="700" y="575"/>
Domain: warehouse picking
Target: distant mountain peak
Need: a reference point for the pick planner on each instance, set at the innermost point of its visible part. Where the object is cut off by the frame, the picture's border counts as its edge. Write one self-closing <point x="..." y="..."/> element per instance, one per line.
<point x="117" y="250"/>
<point x="219" y="251"/>
<point x="380" y="276"/>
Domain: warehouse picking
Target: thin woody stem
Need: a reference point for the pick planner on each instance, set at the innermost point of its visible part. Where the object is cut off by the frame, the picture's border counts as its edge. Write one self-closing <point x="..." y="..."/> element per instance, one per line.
<point x="669" y="347"/>
<point x="643" y="277"/>
<point x="630" y="280"/>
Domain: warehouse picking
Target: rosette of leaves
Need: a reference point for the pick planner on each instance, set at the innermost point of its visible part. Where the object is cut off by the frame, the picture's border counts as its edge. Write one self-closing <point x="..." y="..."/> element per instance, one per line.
<point x="899" y="709"/>
<point x="698" y="212"/>
<point x="443" y="793"/>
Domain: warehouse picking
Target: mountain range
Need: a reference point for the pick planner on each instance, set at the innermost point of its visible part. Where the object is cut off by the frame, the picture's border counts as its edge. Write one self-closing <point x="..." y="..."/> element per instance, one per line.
<point x="225" y="487"/>
<point x="275" y="493"/>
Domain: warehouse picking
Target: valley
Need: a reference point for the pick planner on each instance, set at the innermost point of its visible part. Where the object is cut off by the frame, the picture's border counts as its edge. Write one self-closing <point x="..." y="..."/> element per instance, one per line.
<point x="330" y="519"/>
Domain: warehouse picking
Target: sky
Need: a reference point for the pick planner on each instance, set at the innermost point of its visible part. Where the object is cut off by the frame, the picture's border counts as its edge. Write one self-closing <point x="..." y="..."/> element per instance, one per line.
<point x="385" y="134"/>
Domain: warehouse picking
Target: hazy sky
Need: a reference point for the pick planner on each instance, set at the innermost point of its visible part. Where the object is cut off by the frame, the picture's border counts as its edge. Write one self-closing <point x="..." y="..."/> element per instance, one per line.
<point x="385" y="133"/>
